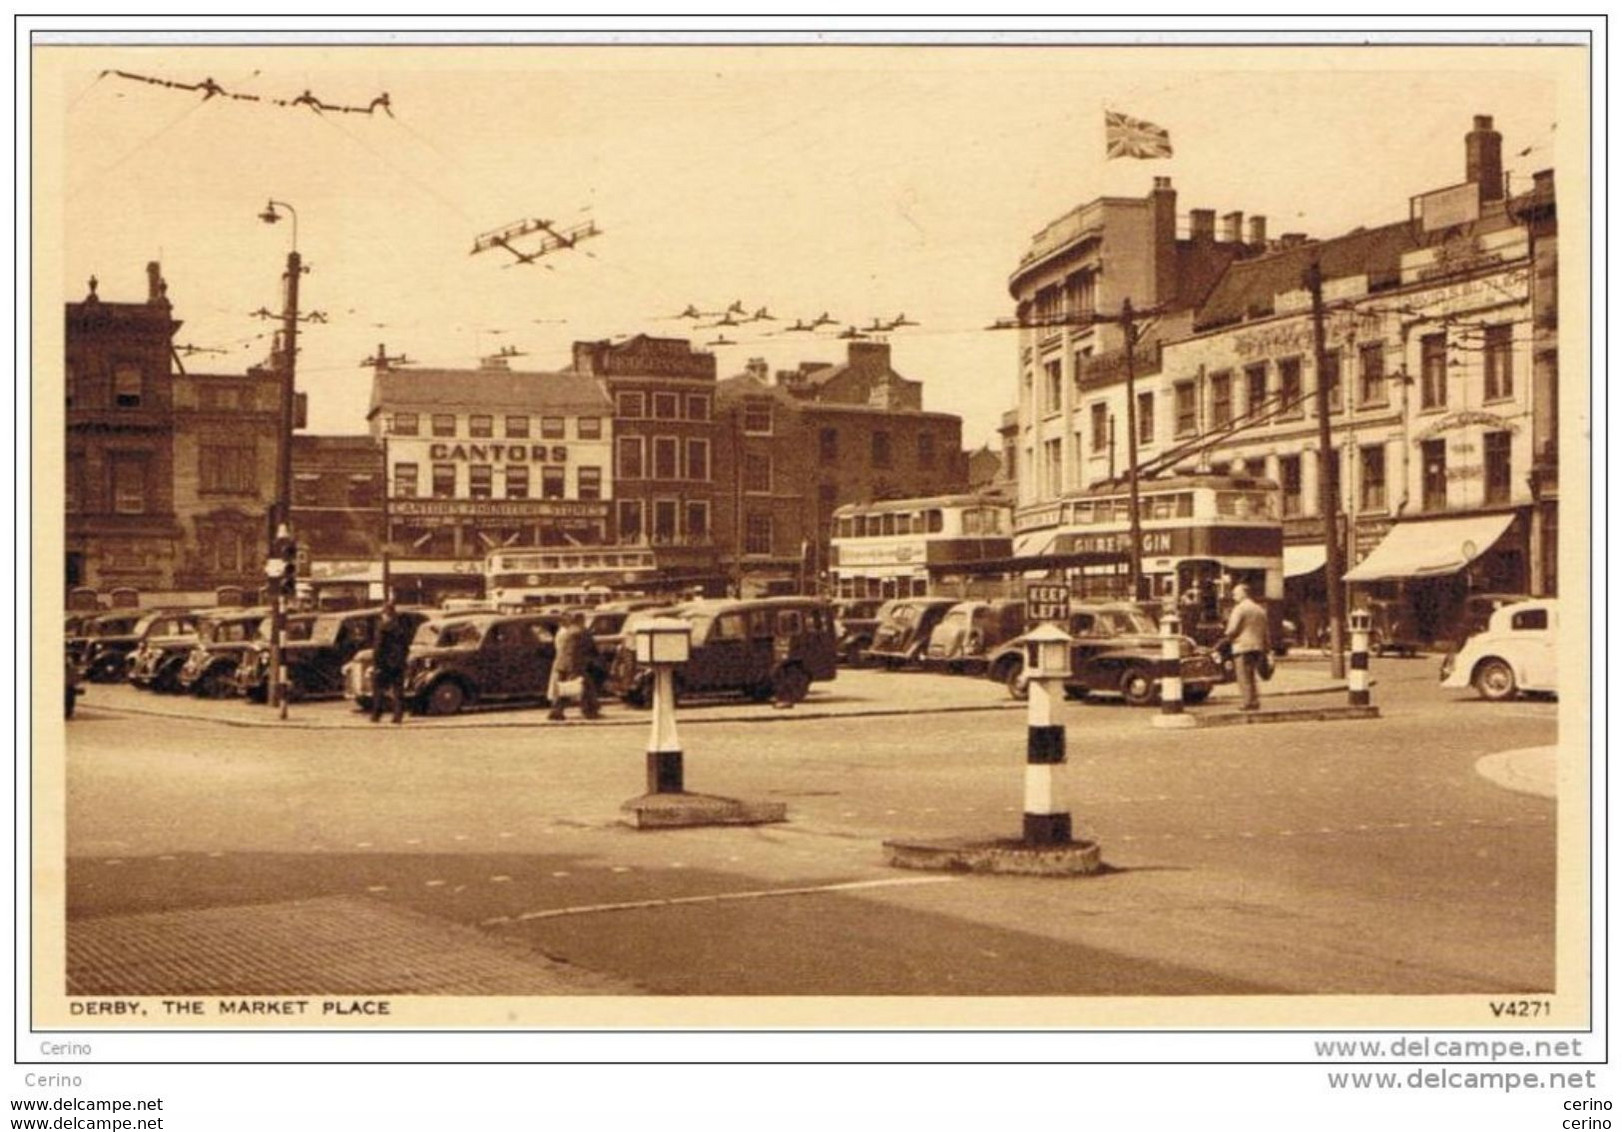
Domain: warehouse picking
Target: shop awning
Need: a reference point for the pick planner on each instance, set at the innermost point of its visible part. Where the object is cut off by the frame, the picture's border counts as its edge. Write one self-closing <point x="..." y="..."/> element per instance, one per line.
<point x="1300" y="560"/>
<point x="1430" y="548"/>
<point x="1035" y="543"/>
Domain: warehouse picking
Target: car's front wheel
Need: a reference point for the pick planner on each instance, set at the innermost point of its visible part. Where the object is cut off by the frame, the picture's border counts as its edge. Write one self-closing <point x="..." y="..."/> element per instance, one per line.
<point x="213" y="685"/>
<point x="1494" y="680"/>
<point x="1139" y="686"/>
<point x="446" y="698"/>
<point x="1011" y="675"/>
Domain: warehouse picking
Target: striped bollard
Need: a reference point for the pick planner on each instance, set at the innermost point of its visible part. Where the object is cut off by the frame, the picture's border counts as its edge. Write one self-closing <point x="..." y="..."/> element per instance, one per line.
<point x="1047" y="660"/>
<point x="1357" y="673"/>
<point x="1171" y="713"/>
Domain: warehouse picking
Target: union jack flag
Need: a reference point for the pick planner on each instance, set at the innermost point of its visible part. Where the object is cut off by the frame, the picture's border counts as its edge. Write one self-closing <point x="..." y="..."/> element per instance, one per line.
<point x="1133" y="137"/>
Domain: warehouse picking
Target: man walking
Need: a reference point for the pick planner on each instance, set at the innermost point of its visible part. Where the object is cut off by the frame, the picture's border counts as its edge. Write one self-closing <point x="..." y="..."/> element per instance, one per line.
<point x="389" y="662"/>
<point x="576" y="660"/>
<point x="1247" y="633"/>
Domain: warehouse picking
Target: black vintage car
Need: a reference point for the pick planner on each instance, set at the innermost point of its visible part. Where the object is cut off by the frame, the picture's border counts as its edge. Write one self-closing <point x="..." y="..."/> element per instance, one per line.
<point x="765" y="648"/>
<point x="1115" y="649"/>
<point x="479" y="658"/>
<point x="155" y="664"/>
<point x="318" y="647"/>
<point x="855" y="621"/>
<point x="114" y="638"/>
<point x="905" y="624"/>
<point x="222" y="638"/>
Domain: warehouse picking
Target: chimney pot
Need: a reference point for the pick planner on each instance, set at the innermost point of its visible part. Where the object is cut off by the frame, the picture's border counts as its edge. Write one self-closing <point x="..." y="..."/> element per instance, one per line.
<point x="1162" y="183"/>
<point x="1484" y="159"/>
<point x="1258" y="231"/>
<point x="1202" y="224"/>
<point x="1233" y="227"/>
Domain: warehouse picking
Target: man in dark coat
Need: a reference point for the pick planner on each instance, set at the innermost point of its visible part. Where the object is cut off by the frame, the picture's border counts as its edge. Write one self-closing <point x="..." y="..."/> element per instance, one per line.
<point x="389" y="662"/>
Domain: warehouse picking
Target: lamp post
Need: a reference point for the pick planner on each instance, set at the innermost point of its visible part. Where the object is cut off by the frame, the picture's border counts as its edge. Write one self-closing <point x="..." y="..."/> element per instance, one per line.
<point x="281" y="523"/>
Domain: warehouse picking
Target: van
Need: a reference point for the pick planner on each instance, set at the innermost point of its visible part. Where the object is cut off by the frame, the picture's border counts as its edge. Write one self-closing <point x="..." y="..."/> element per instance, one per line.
<point x="765" y="648"/>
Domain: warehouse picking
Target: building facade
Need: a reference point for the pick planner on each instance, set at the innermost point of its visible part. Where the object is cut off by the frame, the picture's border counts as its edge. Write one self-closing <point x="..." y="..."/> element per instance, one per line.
<point x="812" y="440"/>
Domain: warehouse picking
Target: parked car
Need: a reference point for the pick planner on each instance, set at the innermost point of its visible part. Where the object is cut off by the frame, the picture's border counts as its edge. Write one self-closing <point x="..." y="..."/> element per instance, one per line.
<point x="318" y="648"/>
<point x="479" y="658"/>
<point x="117" y="636"/>
<point x="905" y="624"/>
<point x="1517" y="652"/>
<point x="76" y="631"/>
<point x="1115" y="650"/>
<point x="764" y="648"/>
<point x="854" y="623"/>
<point x="1392" y="628"/>
<point x="971" y="631"/>
<point x="222" y="639"/>
<point x="155" y="664"/>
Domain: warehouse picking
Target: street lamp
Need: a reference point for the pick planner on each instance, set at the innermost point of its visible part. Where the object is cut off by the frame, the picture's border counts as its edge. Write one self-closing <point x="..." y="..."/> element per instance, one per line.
<point x="282" y="520"/>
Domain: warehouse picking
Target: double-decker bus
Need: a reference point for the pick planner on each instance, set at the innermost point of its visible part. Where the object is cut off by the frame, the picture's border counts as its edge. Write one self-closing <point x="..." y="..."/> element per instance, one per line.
<point x="906" y="547"/>
<point x="563" y="576"/>
<point x="1202" y="533"/>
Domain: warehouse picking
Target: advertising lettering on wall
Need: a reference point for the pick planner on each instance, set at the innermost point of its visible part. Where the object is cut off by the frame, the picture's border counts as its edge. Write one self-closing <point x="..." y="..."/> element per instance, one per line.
<point x="493" y="453"/>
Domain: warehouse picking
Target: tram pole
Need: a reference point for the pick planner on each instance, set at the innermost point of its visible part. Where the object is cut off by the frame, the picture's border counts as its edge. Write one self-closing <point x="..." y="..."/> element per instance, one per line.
<point x="1328" y="488"/>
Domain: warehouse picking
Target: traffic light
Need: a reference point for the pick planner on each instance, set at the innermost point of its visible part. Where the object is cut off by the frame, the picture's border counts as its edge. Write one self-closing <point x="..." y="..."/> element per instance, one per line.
<point x="289" y="557"/>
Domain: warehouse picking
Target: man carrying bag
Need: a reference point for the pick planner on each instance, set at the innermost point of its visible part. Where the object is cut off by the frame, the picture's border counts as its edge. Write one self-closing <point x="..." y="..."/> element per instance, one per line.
<point x="1247" y="634"/>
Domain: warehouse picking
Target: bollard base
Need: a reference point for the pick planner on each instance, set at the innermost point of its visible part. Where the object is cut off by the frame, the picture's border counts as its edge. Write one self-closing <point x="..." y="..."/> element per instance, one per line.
<point x="1007" y="857"/>
<point x="680" y="810"/>
<point x="1175" y="720"/>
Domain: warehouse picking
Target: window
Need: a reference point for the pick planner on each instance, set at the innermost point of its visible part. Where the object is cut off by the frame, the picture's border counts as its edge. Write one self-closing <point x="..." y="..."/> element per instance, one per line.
<point x="828" y="446"/>
<point x="1053" y="458"/>
<point x="1289" y="475"/>
<point x="1433" y="371"/>
<point x="223" y="468"/>
<point x="881" y="449"/>
<point x="589" y="428"/>
<point x="1185" y="401"/>
<point x="481" y="425"/>
<point x="698" y="521"/>
<point x="589" y="482"/>
<point x="444" y="424"/>
<point x="666" y="406"/>
<point x="1053" y="385"/>
<point x="666" y="455"/>
<point x="362" y="490"/>
<point x="76" y="497"/>
<point x="933" y="522"/>
<point x="926" y="450"/>
<point x="629" y="453"/>
<point x="630" y="520"/>
<point x="1331" y="375"/>
<point x="1289" y="387"/>
<point x="757" y="533"/>
<point x="1528" y="620"/>
<point x="698" y="460"/>
<point x="128" y="473"/>
<point x="664" y="520"/>
<point x="1433" y="467"/>
<point x="1146" y="418"/>
<point x="517" y="481"/>
<point x="757" y="472"/>
<point x="698" y="407"/>
<point x="1371" y="388"/>
<point x="1499" y="356"/>
<point x="757" y="417"/>
<point x="517" y="428"/>
<point x="629" y="405"/>
<point x="551" y="428"/>
<point x="444" y="481"/>
<point x="1221" y="398"/>
<point x="127" y="386"/>
<point x="405" y="481"/>
<point x="1100" y="426"/>
<point x="1371" y="478"/>
<point x="552" y="482"/>
<point x="404" y="424"/>
<point x="1495" y="458"/>
<point x="306" y="489"/>
<point x="1255" y="388"/>
<point x="479" y="478"/>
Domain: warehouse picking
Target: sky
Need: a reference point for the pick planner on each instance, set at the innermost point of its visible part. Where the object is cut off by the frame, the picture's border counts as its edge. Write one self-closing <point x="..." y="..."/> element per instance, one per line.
<point x="861" y="181"/>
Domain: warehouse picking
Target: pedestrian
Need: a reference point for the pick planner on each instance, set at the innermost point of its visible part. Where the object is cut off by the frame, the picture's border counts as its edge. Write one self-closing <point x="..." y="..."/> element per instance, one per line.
<point x="576" y="663"/>
<point x="1247" y="634"/>
<point x="389" y="662"/>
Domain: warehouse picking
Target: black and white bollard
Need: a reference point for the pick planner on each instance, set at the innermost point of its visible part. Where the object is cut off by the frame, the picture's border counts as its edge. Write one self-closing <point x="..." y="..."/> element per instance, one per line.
<point x="1171" y="713"/>
<point x="1357" y="673"/>
<point x="1047" y="663"/>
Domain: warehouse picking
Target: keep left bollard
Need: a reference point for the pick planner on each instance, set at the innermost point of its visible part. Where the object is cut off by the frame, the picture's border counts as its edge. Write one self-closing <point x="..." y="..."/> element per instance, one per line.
<point x="1047" y="662"/>
<point x="1171" y="713"/>
<point x="1357" y="672"/>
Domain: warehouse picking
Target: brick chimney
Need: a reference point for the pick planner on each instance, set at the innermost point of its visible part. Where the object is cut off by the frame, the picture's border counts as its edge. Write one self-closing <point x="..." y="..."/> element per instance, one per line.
<point x="1258" y="232"/>
<point x="1233" y="227"/>
<point x="869" y="358"/>
<point x="1163" y="209"/>
<point x="157" y="291"/>
<point x="1484" y="159"/>
<point x="1202" y="225"/>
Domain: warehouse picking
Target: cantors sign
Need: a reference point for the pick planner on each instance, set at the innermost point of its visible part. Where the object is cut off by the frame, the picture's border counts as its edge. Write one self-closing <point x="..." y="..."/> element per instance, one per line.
<point x="495" y="509"/>
<point x="495" y="453"/>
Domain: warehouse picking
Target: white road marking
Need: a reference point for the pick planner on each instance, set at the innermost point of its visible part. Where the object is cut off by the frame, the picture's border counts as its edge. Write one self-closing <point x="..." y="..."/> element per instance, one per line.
<point x="621" y="869"/>
<point x="377" y="888"/>
<point x="363" y="845"/>
<point x="432" y="883"/>
<point x="413" y="841"/>
<point x="560" y="874"/>
<point x="500" y="880"/>
<point x="715" y="898"/>
<point x="114" y="861"/>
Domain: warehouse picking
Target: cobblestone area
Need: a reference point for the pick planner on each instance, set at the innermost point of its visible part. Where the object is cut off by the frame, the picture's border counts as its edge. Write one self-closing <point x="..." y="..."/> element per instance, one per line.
<point x="329" y="946"/>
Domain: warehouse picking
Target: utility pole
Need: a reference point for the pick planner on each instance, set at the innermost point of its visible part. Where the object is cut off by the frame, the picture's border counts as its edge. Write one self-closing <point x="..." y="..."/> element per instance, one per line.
<point x="276" y="691"/>
<point x="1328" y="493"/>
<point x="1127" y="320"/>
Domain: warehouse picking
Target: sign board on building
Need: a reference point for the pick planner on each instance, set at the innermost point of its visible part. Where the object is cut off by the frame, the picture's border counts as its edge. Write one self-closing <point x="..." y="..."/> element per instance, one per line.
<point x="521" y="509"/>
<point x="1450" y="207"/>
<point x="1047" y="601"/>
